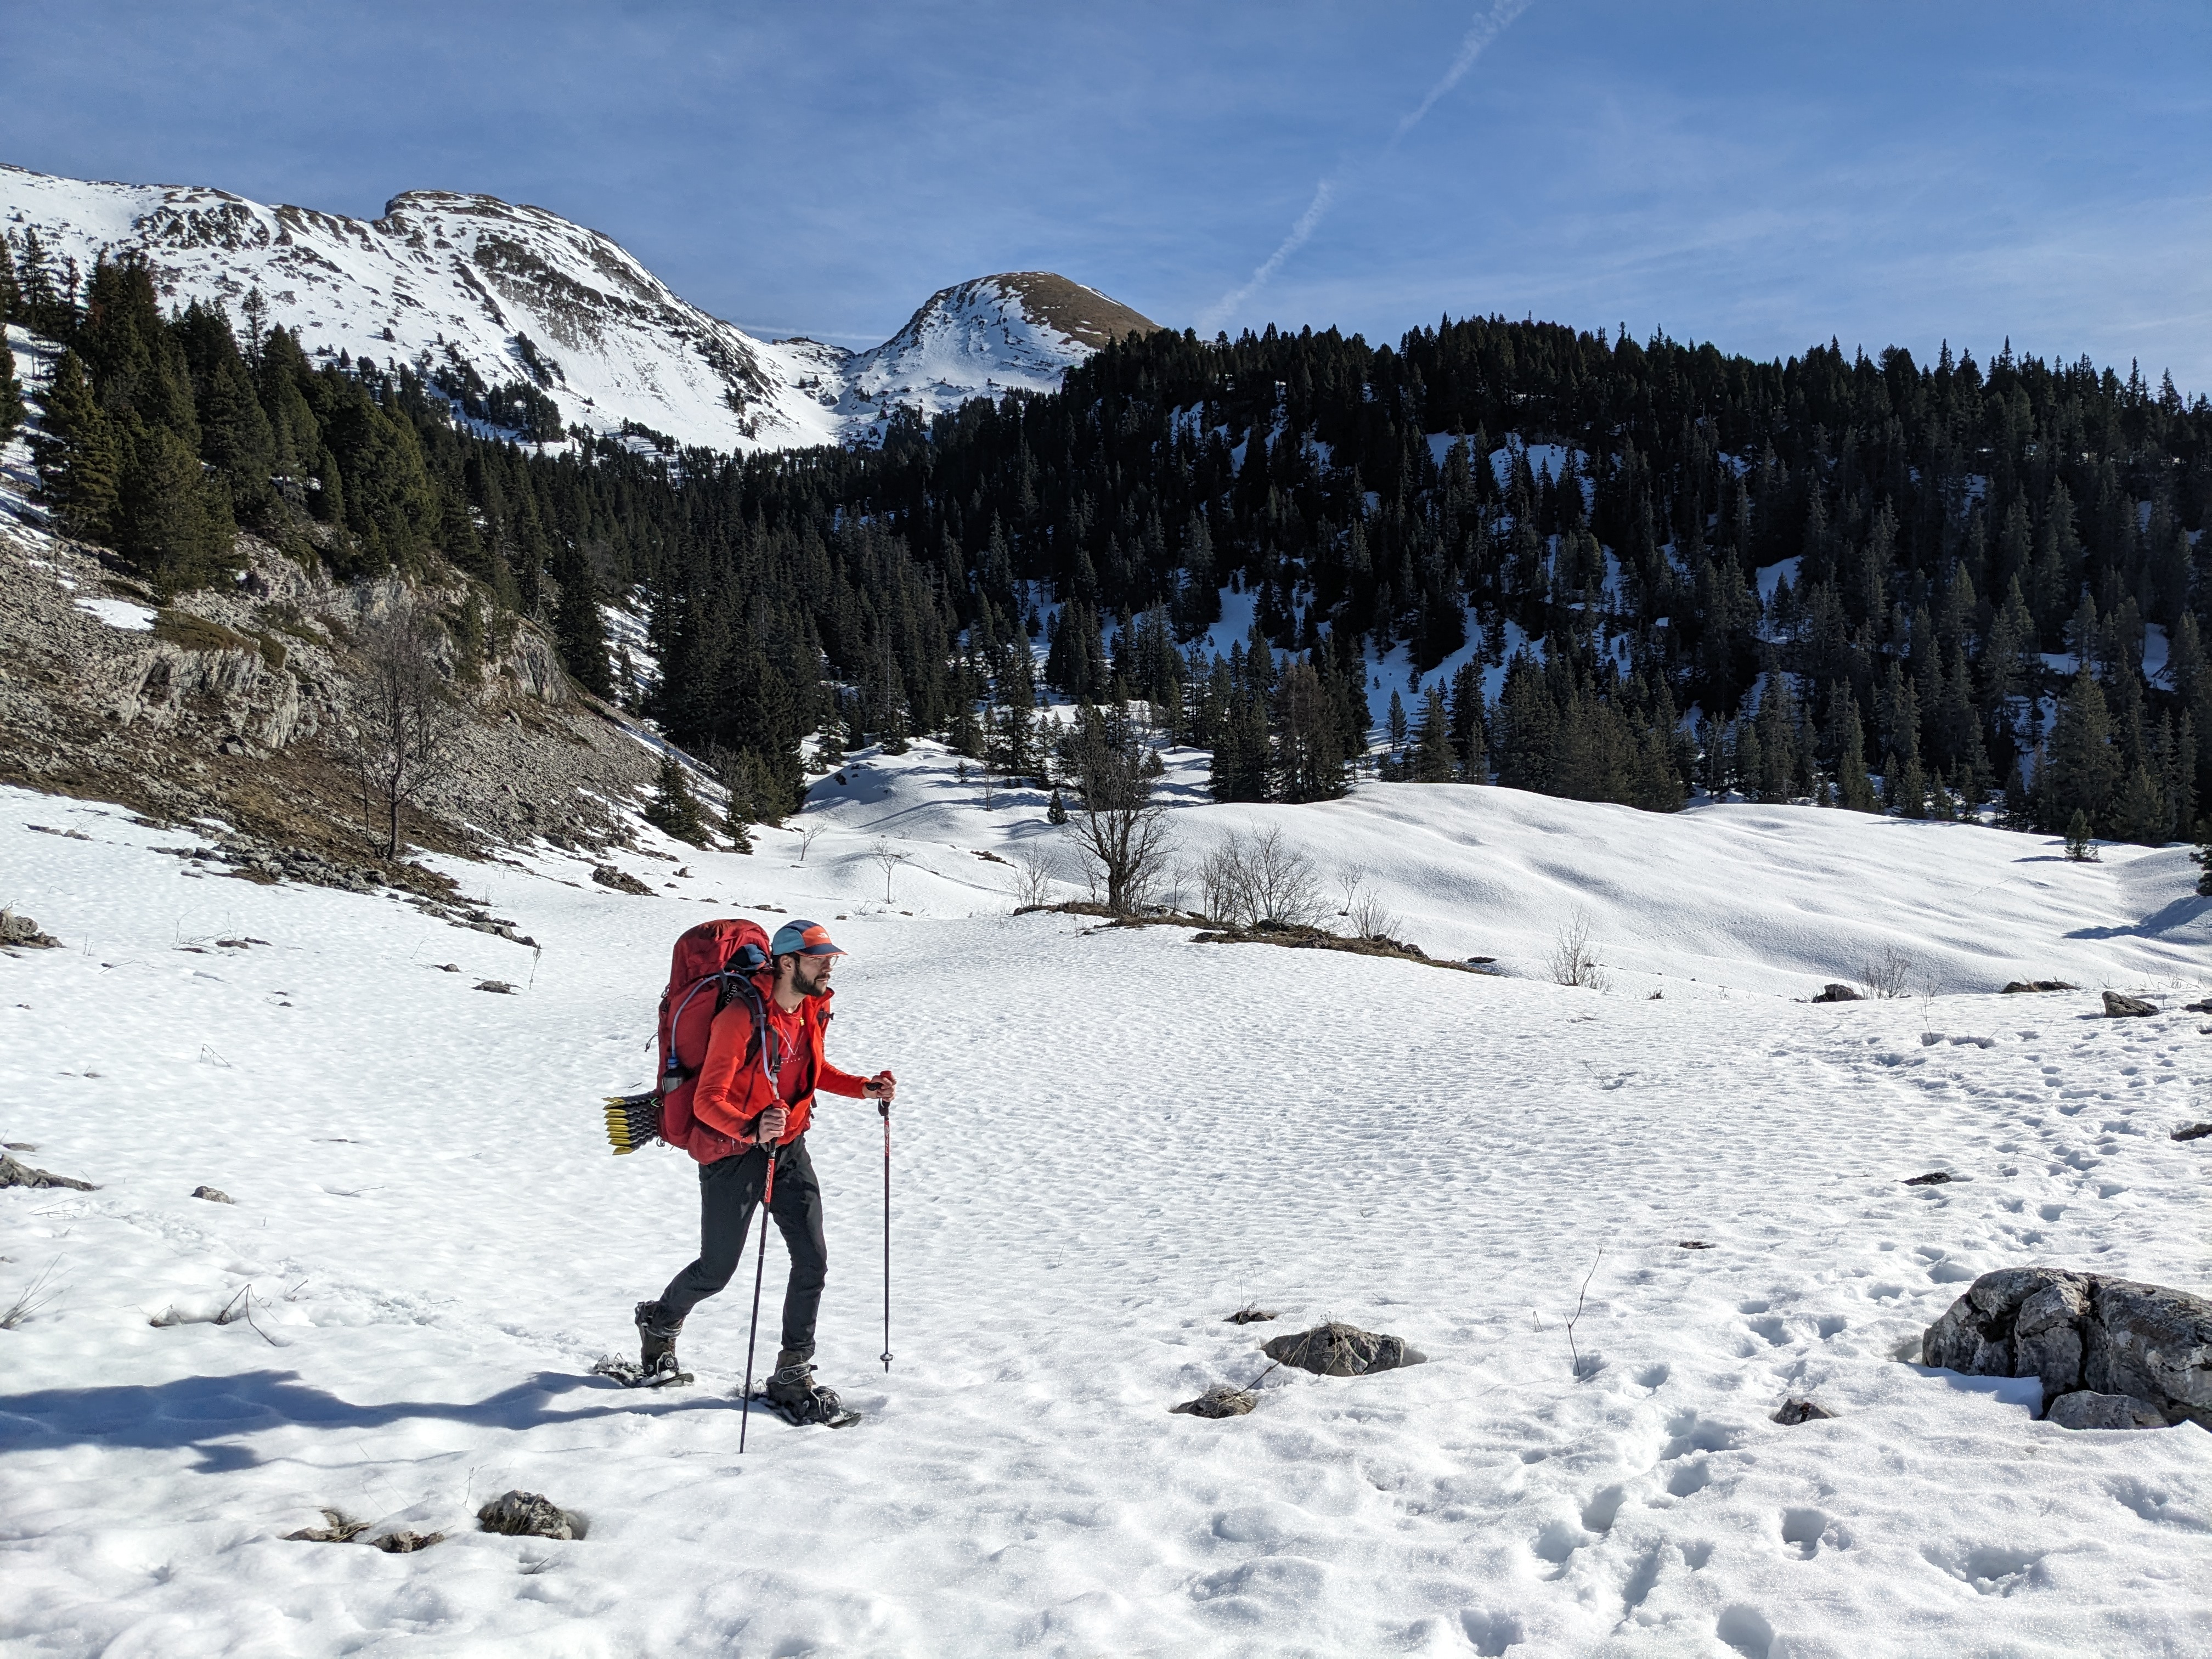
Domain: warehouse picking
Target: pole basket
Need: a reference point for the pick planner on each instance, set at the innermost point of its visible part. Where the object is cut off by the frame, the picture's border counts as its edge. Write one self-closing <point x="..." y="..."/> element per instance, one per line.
<point x="633" y="1121"/>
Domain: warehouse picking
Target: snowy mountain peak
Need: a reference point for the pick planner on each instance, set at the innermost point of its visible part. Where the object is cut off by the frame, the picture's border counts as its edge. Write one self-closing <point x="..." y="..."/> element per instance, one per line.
<point x="484" y="287"/>
<point x="1018" y="330"/>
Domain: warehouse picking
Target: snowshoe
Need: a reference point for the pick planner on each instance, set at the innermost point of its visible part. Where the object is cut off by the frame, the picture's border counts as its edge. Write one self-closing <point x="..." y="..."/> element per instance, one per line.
<point x="657" y="1366"/>
<point x="631" y="1375"/>
<point x="792" y="1394"/>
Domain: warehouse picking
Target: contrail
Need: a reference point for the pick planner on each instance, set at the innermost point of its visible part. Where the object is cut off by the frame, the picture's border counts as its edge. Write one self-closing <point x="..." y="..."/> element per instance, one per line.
<point x="1324" y="193"/>
<point x="1486" y="29"/>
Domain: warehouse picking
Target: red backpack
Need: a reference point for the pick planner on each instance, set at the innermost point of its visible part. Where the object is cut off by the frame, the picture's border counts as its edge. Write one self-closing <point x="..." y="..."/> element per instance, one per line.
<point x="713" y="965"/>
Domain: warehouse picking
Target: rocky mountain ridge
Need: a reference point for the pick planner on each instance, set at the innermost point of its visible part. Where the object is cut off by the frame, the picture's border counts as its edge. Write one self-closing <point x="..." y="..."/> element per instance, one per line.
<point x="475" y="286"/>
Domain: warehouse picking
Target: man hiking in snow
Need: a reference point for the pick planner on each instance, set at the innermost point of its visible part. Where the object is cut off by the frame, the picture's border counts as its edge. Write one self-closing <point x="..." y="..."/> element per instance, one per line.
<point x="755" y="1093"/>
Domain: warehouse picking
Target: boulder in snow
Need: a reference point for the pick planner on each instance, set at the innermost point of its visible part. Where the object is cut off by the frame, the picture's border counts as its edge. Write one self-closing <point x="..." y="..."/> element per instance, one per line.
<point x="622" y="881"/>
<point x="213" y="1195"/>
<point x="2120" y="1007"/>
<point x="1339" y="1350"/>
<point x="2028" y="987"/>
<point x="2193" y="1131"/>
<point x="2085" y="1408"/>
<point x="529" y="1515"/>
<point x="1837" y="993"/>
<point x="2077" y="1332"/>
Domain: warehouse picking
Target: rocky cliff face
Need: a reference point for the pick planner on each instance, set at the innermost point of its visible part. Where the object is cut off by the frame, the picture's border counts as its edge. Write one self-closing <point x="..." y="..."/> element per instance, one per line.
<point x="514" y="293"/>
<point x="239" y="704"/>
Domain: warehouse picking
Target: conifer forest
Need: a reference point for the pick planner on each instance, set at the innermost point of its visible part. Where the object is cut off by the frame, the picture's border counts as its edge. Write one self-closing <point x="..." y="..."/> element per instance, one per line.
<point x="1879" y="584"/>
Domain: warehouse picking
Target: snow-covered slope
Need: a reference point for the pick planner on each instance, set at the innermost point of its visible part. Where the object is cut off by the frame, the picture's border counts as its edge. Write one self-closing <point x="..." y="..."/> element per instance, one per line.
<point x="1106" y="1141"/>
<point x="470" y="279"/>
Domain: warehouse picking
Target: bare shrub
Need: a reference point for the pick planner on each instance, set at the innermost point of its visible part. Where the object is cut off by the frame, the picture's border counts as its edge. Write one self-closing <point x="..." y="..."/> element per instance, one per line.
<point x="1887" y="976"/>
<point x="807" y="836"/>
<point x="1256" y="877"/>
<point x="1574" y="953"/>
<point x="1371" y="918"/>
<point x="1037" y="872"/>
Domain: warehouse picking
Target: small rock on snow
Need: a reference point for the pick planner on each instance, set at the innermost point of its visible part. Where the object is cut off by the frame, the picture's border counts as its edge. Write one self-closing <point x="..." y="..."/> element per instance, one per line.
<point x="2193" y="1131"/>
<point x="213" y="1195"/>
<point x="499" y="986"/>
<point x="1219" y="1400"/>
<point x="1836" y="992"/>
<point x="2119" y="1007"/>
<point x="529" y="1515"/>
<point x="12" y="1174"/>
<point x="1933" y="1178"/>
<point x="1795" y="1411"/>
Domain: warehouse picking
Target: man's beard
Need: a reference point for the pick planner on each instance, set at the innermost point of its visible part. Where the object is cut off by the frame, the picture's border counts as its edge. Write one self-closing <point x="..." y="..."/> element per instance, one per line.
<point x="819" y="987"/>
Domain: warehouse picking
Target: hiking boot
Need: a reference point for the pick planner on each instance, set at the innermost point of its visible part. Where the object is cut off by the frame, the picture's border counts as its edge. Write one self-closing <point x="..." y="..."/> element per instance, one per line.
<point x="656" y="1335"/>
<point x="792" y="1389"/>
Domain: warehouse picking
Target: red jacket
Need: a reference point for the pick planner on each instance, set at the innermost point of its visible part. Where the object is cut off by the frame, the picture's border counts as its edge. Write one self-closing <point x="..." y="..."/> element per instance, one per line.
<point x="734" y="1088"/>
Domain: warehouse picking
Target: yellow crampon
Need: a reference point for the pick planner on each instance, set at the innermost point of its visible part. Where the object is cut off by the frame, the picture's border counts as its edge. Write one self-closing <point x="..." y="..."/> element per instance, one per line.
<point x="633" y="1121"/>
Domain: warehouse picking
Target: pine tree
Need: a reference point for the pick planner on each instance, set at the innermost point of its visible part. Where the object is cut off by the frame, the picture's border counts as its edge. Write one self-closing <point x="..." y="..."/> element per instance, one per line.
<point x="1854" y="790"/>
<point x="1055" y="810"/>
<point x="81" y="457"/>
<point x="1432" y="753"/>
<point x="2140" y="812"/>
<point x="1397" y="725"/>
<point x="175" y="522"/>
<point x="2080" y="772"/>
<point x="12" y="410"/>
<point x="2077" y="836"/>
<point x="674" y="810"/>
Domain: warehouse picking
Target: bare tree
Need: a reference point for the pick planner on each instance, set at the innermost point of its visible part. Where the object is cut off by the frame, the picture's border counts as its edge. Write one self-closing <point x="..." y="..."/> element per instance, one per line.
<point x="1574" y="953"/>
<point x="1352" y="879"/>
<point x="1255" y="877"/>
<point x="887" y="859"/>
<point x="409" y="722"/>
<point x="1118" y="827"/>
<point x="808" y="836"/>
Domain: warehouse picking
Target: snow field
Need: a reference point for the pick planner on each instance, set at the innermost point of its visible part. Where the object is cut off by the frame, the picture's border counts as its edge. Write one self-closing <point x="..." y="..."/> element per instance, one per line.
<point x="1105" y="1142"/>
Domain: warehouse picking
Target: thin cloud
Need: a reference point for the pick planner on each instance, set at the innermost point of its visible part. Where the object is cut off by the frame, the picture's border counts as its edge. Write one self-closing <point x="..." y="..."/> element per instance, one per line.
<point x="1486" y="29"/>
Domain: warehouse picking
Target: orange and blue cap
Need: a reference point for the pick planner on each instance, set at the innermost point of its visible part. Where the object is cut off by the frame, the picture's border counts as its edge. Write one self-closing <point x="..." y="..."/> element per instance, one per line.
<point x="803" y="939"/>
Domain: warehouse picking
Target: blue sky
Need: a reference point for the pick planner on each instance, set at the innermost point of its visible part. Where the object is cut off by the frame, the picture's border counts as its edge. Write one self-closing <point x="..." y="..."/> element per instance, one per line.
<point x="1761" y="175"/>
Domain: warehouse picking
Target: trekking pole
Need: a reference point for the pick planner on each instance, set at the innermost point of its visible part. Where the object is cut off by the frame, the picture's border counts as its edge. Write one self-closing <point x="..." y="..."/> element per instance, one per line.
<point x="885" y="1107"/>
<point x="759" y="1268"/>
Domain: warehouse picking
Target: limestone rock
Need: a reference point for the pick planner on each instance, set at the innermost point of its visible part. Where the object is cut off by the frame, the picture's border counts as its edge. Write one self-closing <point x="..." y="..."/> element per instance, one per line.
<point x="622" y="881"/>
<point x="2154" y="1343"/>
<point x="1339" y="1350"/>
<point x="24" y="933"/>
<point x="2085" y="1408"/>
<point x="14" y="1174"/>
<point x="2081" y="1333"/>
<point x="529" y="1515"/>
<point x="2119" y="1007"/>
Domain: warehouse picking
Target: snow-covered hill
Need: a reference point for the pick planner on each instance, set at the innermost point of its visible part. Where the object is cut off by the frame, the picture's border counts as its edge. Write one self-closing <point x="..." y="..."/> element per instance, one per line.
<point x="515" y="293"/>
<point x="1107" y="1141"/>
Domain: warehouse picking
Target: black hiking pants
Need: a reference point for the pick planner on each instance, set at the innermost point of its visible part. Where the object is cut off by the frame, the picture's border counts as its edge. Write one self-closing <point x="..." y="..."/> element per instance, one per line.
<point x="729" y="1192"/>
